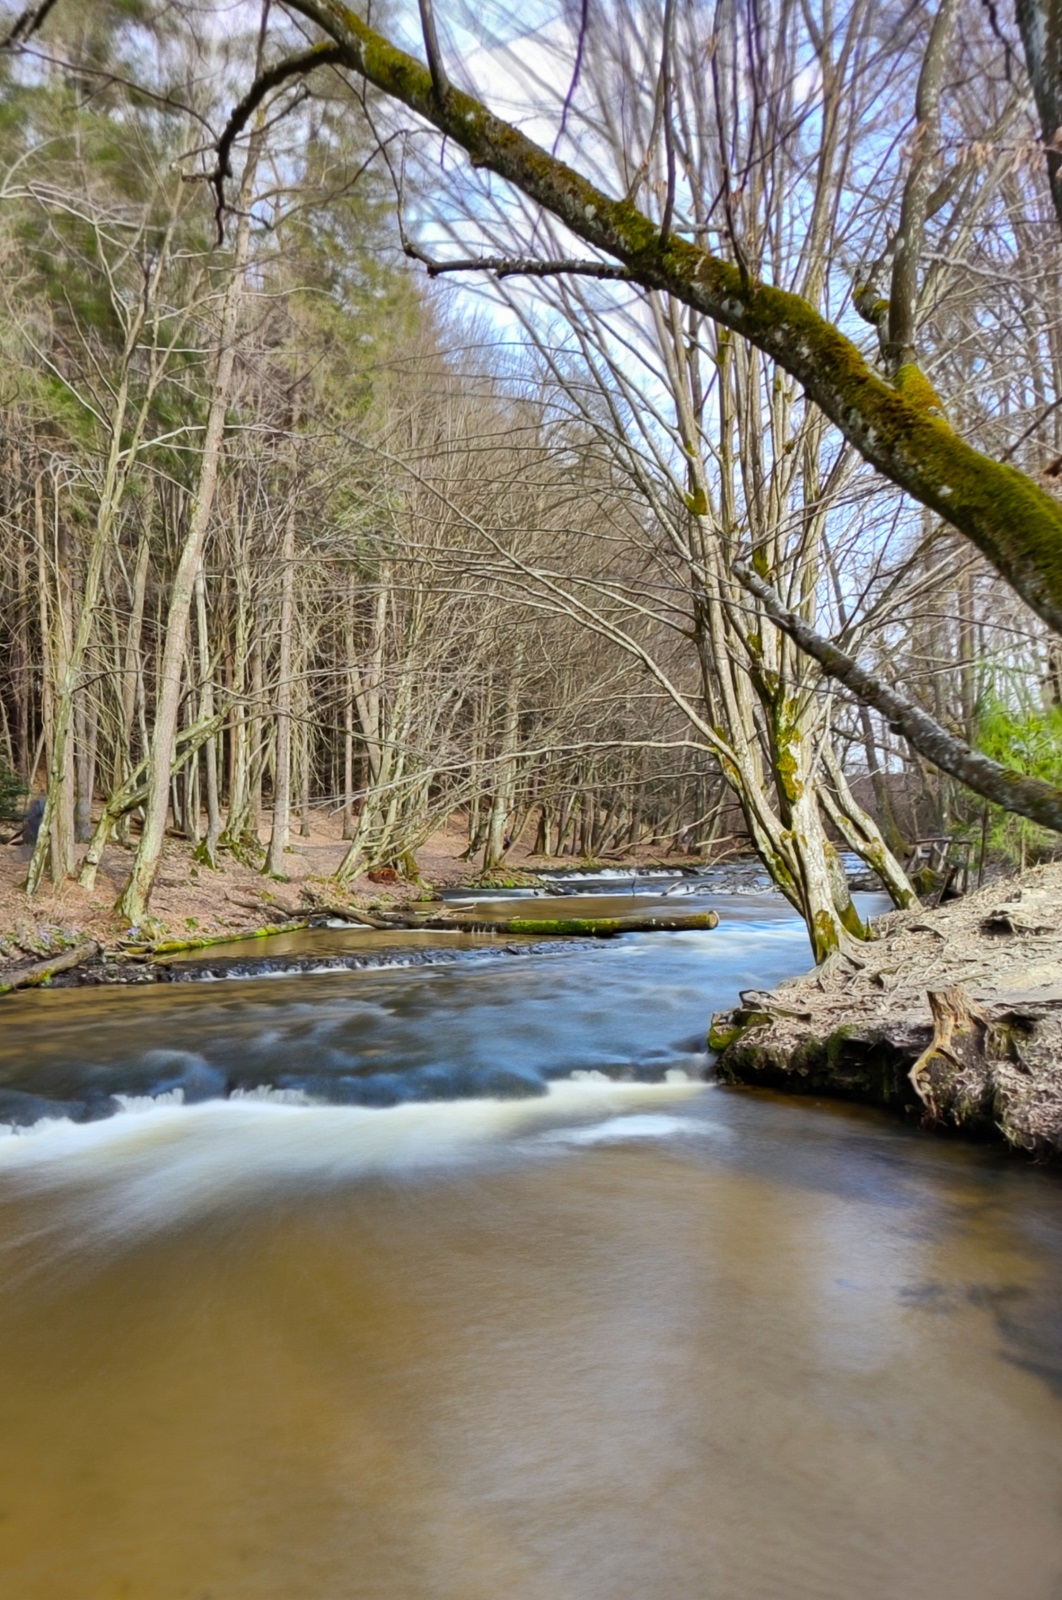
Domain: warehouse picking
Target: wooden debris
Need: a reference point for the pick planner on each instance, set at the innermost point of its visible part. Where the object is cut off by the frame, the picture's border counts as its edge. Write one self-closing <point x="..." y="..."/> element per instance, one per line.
<point x="38" y="972"/>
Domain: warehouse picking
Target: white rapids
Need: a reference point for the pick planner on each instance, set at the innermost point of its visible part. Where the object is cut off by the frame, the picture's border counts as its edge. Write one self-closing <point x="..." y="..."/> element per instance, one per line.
<point x="159" y="1163"/>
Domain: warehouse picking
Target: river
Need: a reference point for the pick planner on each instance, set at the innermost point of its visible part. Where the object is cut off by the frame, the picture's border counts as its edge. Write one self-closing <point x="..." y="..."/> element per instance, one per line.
<point x="453" y="1281"/>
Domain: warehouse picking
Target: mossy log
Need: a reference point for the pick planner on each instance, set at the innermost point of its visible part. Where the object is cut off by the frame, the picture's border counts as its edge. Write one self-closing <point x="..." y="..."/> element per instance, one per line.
<point x="38" y="972"/>
<point x="169" y="947"/>
<point x="540" y="927"/>
<point x="570" y="927"/>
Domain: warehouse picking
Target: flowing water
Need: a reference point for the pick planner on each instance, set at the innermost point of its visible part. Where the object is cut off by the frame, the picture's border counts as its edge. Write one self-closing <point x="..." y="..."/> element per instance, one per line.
<point x="454" y="1282"/>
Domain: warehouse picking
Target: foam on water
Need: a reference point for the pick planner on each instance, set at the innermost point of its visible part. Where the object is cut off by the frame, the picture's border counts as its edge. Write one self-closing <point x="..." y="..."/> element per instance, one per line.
<point x="146" y="1102"/>
<point x="161" y="1164"/>
<point x="617" y="1130"/>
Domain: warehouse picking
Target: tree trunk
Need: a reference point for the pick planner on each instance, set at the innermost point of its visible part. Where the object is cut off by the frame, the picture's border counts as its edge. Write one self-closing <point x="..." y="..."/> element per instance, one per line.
<point x="281" y="831"/>
<point x="133" y="901"/>
<point x="209" y="849"/>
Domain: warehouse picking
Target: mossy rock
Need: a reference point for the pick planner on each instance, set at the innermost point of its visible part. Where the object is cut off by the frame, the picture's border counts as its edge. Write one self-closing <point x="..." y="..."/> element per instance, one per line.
<point x="720" y="1038"/>
<point x="505" y="878"/>
<point x="850" y="1063"/>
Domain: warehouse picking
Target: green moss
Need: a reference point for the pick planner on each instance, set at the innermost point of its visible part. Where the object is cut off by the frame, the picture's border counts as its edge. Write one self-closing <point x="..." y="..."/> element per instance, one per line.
<point x="925" y="881"/>
<point x="745" y="1061"/>
<point x="913" y="384"/>
<point x="787" y="768"/>
<point x="167" y="947"/>
<point x="720" y="1038"/>
<point x="499" y="878"/>
<point x="875" y="860"/>
<point x="824" y="935"/>
<point x="786" y="736"/>
<point x="778" y="869"/>
<point x="836" y="1042"/>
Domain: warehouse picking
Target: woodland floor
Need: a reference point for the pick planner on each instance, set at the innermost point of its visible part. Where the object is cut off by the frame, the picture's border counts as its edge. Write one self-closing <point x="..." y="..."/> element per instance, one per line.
<point x="857" y="1026"/>
<point x="191" y="900"/>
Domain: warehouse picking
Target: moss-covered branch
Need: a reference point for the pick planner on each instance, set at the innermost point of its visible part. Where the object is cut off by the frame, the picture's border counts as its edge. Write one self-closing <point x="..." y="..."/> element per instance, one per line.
<point x="1028" y="797"/>
<point x="1010" y="519"/>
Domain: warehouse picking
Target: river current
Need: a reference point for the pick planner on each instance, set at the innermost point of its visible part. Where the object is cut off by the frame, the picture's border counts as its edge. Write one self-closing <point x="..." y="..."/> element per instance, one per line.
<point x="452" y="1280"/>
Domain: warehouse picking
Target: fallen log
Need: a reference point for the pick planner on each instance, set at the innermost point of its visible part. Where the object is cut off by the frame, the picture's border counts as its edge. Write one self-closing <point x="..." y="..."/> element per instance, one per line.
<point x="570" y="927"/>
<point x="320" y="916"/>
<point x="38" y="972"/>
<point x="169" y="947"/>
<point x="542" y="927"/>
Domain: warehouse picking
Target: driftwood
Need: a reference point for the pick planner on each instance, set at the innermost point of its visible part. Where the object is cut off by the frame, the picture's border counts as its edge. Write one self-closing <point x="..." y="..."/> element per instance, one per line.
<point x="357" y="919"/>
<point x="38" y="972"/>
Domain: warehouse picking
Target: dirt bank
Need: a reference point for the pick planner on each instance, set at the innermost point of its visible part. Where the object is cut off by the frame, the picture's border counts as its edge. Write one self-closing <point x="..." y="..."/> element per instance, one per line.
<point x="952" y="1017"/>
<point x="191" y="899"/>
<point x="193" y="903"/>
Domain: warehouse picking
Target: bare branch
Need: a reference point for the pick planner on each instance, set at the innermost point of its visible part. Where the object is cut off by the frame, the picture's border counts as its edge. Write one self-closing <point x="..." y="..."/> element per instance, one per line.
<point x="1027" y="797"/>
<point x="580" y="47"/>
<point x="896" y="428"/>
<point x="440" y="82"/>
<point x="900" y="343"/>
<point x="320" y="55"/>
<point x="514" y="266"/>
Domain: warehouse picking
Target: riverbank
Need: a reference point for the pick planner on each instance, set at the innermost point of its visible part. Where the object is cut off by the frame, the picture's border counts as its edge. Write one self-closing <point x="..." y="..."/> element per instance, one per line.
<point x="53" y="933"/>
<point x="950" y="1017"/>
<point x="193" y="900"/>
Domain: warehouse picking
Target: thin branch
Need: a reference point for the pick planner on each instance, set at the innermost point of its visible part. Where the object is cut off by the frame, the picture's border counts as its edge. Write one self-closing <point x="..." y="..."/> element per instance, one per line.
<point x="514" y="266"/>
<point x="439" y="81"/>
<point x="669" y="134"/>
<point x="1027" y="797"/>
<point x="319" y="55"/>
<point x="580" y="47"/>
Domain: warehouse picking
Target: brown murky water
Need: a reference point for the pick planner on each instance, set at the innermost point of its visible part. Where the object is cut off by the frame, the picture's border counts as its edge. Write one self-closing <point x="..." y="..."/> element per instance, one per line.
<point x="619" y="1342"/>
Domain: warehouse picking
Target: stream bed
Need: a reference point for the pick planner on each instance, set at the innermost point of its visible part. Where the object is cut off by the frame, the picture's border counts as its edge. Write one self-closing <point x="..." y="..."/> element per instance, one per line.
<point x="453" y="1280"/>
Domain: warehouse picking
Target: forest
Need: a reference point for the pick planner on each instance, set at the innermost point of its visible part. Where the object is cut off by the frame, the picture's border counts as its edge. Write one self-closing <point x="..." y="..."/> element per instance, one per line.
<point x="531" y="799"/>
<point x="341" y="484"/>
